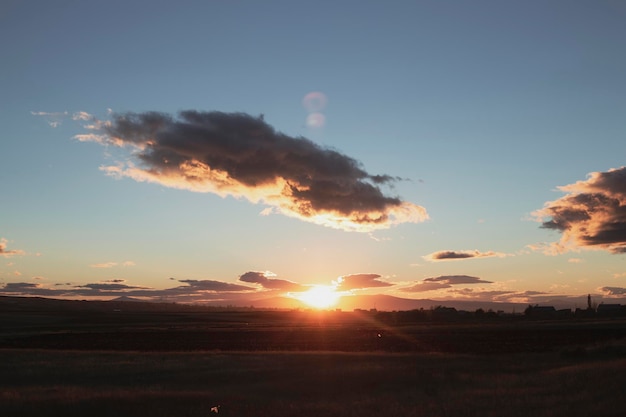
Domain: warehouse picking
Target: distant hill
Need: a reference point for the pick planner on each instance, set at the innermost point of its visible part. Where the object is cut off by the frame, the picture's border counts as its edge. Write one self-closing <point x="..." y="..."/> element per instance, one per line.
<point x="40" y="304"/>
<point x="126" y="299"/>
<point x="346" y="303"/>
<point x="390" y="303"/>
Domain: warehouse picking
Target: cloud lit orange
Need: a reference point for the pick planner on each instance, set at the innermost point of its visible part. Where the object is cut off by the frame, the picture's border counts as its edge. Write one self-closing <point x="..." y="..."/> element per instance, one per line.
<point x="591" y="215"/>
<point x="235" y="154"/>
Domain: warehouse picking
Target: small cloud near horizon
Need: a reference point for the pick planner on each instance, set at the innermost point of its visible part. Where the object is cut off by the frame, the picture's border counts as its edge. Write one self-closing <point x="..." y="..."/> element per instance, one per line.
<point x="360" y="281"/>
<point x="266" y="280"/>
<point x="211" y="285"/>
<point x="192" y="291"/>
<point x="613" y="291"/>
<point x="450" y="255"/>
<point x="103" y="265"/>
<point x="592" y="214"/>
<point x="115" y="285"/>
<point x="226" y="293"/>
<point x="112" y="264"/>
<point x="442" y="282"/>
<point x="236" y="154"/>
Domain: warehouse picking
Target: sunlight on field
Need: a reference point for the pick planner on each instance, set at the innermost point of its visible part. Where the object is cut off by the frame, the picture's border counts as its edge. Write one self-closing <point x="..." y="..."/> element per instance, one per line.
<point x="320" y="296"/>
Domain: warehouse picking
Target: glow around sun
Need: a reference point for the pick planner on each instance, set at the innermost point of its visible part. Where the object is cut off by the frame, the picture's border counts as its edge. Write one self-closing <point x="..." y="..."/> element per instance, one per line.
<point x="319" y="296"/>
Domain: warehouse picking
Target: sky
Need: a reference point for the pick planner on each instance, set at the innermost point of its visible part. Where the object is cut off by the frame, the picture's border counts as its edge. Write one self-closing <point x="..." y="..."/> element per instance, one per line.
<point x="233" y="151"/>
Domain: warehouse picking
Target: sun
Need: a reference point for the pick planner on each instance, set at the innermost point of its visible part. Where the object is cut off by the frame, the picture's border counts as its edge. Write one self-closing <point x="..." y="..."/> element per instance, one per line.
<point x="320" y="296"/>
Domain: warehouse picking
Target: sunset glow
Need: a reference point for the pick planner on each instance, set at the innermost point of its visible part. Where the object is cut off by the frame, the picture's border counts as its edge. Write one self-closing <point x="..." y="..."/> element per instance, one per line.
<point x="320" y="296"/>
<point x="470" y="152"/>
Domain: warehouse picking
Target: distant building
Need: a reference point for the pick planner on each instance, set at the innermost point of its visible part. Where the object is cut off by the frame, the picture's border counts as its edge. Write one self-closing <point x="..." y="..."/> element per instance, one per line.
<point x="540" y="312"/>
<point x="609" y="309"/>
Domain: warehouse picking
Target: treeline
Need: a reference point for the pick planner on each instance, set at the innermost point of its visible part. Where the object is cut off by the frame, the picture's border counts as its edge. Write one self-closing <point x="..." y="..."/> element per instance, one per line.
<point x="450" y="314"/>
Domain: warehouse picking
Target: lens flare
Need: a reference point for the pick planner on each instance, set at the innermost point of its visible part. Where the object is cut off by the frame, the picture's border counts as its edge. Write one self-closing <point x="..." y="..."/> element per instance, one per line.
<point x="315" y="120"/>
<point x="314" y="102"/>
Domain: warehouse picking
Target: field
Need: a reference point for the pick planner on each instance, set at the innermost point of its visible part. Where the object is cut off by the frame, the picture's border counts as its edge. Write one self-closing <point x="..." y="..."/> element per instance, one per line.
<point x="111" y="362"/>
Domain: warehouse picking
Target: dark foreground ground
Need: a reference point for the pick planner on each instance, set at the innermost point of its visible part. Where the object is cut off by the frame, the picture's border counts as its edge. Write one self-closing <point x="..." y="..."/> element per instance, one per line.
<point x="140" y="362"/>
<point x="257" y="330"/>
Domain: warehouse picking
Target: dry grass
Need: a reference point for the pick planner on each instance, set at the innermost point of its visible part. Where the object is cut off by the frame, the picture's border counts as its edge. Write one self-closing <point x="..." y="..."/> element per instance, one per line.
<point x="68" y="384"/>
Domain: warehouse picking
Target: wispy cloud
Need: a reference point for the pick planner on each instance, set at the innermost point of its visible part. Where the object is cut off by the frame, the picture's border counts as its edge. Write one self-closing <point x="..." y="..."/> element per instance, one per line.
<point x="82" y="115"/>
<point x="191" y="291"/>
<point x="104" y="265"/>
<point x="7" y="253"/>
<point x="111" y="286"/>
<point x="494" y="295"/>
<point x="511" y="296"/>
<point x="592" y="215"/>
<point x="451" y="255"/>
<point x="360" y="281"/>
<point x="112" y="264"/>
<point x="54" y="119"/>
<point x="442" y="282"/>
<point x="240" y="155"/>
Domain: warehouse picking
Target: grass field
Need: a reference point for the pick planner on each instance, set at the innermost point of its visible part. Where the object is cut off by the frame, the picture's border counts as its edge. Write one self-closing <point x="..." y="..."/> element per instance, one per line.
<point x="71" y="384"/>
<point x="91" y="359"/>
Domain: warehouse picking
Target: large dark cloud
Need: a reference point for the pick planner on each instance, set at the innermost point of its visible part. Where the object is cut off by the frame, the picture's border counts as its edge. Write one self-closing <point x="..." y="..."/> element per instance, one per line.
<point x="240" y="155"/>
<point x="449" y="255"/>
<point x="592" y="214"/>
<point x="360" y="281"/>
<point x="442" y="282"/>
<point x="266" y="281"/>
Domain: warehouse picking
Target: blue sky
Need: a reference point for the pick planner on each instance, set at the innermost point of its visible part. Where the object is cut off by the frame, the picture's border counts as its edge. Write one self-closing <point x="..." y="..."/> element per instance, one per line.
<point x="475" y="111"/>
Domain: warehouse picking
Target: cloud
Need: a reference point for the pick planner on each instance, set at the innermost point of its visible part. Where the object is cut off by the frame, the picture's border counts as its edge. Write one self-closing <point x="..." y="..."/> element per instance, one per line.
<point x="360" y="281"/>
<point x="110" y="286"/>
<point x="104" y="265"/>
<point x="235" y="154"/>
<point x="592" y="215"/>
<point x="444" y="281"/>
<point x="15" y="286"/>
<point x="550" y="248"/>
<point x="54" y="119"/>
<point x="27" y="288"/>
<point x="81" y="115"/>
<point x="510" y="296"/>
<point x="449" y="255"/>
<point x="192" y="291"/>
<point x="265" y="280"/>
<point x="4" y="252"/>
<point x="613" y="290"/>
<point x="112" y="264"/>
<point x="501" y="295"/>
<point x="210" y="285"/>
